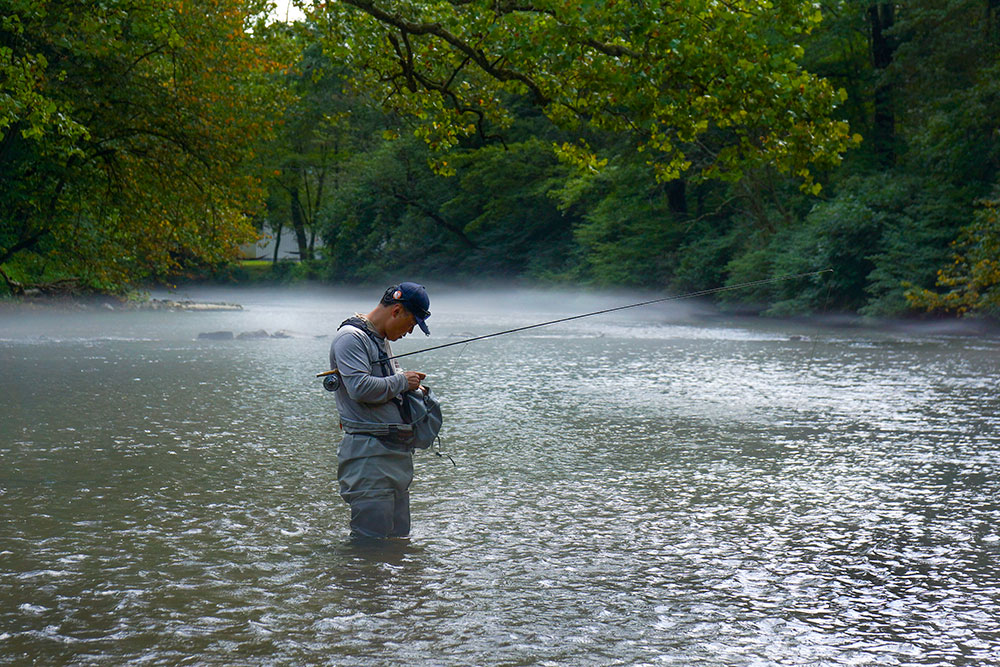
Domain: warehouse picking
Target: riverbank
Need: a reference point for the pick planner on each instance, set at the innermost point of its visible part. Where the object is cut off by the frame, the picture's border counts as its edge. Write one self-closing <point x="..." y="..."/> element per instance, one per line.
<point x="111" y="303"/>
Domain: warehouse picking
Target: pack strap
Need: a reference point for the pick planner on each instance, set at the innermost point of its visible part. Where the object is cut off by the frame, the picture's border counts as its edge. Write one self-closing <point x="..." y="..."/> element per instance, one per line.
<point x="374" y="428"/>
<point x="361" y="323"/>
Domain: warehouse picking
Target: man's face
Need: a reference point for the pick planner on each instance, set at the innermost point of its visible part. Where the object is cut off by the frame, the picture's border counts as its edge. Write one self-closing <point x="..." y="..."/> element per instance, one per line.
<point x="400" y="323"/>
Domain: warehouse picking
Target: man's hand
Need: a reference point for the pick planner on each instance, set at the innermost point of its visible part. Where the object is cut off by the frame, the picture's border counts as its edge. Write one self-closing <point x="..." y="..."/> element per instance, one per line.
<point x="413" y="379"/>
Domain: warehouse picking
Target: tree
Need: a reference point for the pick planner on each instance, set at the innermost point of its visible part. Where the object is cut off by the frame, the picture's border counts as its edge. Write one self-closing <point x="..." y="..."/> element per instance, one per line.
<point x="972" y="279"/>
<point x="947" y="73"/>
<point x="881" y="17"/>
<point x="128" y="135"/>
<point x="496" y="216"/>
<point x="711" y="86"/>
<point x="320" y="131"/>
<point x="948" y="76"/>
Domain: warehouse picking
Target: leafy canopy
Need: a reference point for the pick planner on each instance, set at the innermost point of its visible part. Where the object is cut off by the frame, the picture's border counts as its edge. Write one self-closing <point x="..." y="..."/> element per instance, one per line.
<point x="127" y="134"/>
<point x="972" y="280"/>
<point x="705" y="85"/>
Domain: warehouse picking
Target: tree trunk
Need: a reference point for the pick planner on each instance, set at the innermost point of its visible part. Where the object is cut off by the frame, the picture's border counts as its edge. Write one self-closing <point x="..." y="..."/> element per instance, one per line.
<point x="15" y="287"/>
<point x="881" y="17"/>
<point x="298" y="224"/>
<point x="993" y="22"/>
<point x="277" y="241"/>
<point x="677" y="197"/>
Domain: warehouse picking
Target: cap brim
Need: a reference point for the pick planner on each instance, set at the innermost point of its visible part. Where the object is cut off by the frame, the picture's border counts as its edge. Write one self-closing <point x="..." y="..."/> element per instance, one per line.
<point x="423" y="327"/>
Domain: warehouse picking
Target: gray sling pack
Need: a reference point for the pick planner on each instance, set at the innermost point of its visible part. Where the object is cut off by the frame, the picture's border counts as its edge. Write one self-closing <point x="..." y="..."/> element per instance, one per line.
<point x="420" y="412"/>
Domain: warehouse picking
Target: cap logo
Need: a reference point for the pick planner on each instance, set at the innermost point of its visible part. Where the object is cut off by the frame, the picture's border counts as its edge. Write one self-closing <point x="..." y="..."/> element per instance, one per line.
<point x="397" y="295"/>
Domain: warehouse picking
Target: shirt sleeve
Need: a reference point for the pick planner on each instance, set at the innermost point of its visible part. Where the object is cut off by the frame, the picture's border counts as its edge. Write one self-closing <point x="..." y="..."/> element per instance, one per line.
<point x="351" y="356"/>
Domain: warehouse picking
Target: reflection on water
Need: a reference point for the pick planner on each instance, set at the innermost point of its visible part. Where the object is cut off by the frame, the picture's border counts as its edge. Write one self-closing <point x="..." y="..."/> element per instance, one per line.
<point x="643" y="489"/>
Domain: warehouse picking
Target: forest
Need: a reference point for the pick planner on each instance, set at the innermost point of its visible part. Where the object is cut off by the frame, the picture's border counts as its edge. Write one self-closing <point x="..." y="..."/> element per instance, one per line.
<point x="666" y="146"/>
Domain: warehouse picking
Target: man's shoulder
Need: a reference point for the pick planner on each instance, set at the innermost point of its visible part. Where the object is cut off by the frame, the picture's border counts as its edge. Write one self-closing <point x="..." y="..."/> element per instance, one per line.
<point x="352" y="331"/>
<point x="351" y="343"/>
<point x="355" y="336"/>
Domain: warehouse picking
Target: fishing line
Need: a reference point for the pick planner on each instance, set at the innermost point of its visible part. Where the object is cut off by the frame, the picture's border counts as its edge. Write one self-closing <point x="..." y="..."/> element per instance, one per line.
<point x="690" y="295"/>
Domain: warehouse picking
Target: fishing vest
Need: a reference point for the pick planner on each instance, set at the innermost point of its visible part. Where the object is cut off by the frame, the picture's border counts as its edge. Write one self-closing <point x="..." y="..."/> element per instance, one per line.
<point x="419" y="411"/>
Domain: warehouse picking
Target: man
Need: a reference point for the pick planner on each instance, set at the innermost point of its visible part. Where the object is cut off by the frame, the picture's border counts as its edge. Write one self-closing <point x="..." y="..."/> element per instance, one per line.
<point x="375" y="469"/>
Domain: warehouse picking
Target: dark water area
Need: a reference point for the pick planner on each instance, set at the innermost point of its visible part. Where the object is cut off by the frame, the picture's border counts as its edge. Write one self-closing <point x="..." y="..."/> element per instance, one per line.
<point x="645" y="488"/>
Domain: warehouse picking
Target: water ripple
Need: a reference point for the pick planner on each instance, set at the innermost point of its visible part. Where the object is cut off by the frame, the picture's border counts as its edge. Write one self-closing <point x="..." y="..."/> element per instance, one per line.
<point x="633" y="493"/>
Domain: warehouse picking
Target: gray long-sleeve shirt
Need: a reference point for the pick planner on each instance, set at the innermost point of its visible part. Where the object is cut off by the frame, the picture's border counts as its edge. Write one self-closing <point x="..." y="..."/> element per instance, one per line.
<point x="365" y="392"/>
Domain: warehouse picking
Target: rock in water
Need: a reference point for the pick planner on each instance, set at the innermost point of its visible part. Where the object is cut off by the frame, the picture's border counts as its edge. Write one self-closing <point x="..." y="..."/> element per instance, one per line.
<point x="285" y="333"/>
<point x="260" y="333"/>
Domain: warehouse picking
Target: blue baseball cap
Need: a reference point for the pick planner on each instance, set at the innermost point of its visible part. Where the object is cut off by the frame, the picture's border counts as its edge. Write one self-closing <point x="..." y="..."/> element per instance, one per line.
<point x="414" y="298"/>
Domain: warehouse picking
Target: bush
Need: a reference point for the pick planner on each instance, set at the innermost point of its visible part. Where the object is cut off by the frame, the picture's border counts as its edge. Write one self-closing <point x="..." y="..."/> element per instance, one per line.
<point x="973" y="275"/>
<point x="879" y="233"/>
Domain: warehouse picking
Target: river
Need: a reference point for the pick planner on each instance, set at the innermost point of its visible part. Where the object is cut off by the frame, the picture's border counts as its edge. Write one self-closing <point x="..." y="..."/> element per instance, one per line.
<point x="652" y="487"/>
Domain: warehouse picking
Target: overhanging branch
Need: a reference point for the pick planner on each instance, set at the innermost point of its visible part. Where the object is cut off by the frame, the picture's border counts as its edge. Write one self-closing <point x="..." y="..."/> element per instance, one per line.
<point x="437" y="30"/>
<point x="433" y="215"/>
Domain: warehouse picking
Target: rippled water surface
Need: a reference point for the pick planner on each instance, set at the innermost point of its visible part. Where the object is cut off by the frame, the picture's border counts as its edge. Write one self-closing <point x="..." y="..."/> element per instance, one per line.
<point x="641" y="489"/>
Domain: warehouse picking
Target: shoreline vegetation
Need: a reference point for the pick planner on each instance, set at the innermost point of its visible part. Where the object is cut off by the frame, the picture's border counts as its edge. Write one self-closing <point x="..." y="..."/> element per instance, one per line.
<point x="675" y="147"/>
<point x="103" y="302"/>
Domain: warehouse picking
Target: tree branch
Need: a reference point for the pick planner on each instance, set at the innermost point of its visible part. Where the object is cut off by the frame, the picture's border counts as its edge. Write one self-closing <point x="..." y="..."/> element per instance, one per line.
<point x="24" y="244"/>
<point x="613" y="50"/>
<point x="433" y="215"/>
<point x="437" y="30"/>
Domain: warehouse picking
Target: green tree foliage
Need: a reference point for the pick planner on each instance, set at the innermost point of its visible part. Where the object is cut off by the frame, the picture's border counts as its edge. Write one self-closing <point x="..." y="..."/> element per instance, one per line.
<point x="627" y="234"/>
<point x="945" y="78"/>
<point x="127" y="135"/>
<point x="321" y="129"/>
<point x="697" y="91"/>
<point x="495" y="216"/>
<point x="925" y="104"/>
<point x="612" y="141"/>
<point x="947" y="74"/>
<point x="506" y="193"/>
<point x="878" y="232"/>
<point x="712" y="86"/>
<point x="972" y="279"/>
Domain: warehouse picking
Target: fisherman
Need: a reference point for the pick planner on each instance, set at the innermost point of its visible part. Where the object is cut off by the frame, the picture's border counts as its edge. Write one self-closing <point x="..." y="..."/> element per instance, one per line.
<point x="375" y="462"/>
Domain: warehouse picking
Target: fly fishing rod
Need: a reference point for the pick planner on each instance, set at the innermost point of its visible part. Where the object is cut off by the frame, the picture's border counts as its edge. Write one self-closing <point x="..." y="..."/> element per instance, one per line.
<point x="690" y="295"/>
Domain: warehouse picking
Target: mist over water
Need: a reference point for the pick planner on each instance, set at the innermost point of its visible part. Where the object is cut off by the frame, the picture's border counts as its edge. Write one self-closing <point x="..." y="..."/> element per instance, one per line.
<point x="649" y="487"/>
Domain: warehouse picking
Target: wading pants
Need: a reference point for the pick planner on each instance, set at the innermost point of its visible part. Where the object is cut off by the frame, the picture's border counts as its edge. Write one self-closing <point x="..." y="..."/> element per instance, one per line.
<point x="376" y="488"/>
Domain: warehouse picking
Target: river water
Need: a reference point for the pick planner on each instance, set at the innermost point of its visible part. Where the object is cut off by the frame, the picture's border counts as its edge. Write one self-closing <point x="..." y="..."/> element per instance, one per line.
<point x="645" y="488"/>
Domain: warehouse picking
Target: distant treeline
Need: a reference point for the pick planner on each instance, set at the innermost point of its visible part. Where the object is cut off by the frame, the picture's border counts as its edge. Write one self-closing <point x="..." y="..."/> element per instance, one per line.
<point x="682" y="146"/>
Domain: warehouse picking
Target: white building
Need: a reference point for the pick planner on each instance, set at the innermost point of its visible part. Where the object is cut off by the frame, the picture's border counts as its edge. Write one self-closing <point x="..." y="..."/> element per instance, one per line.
<point x="264" y="247"/>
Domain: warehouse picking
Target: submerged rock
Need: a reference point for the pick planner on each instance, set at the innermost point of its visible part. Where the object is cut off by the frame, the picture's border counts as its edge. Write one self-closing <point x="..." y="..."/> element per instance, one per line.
<point x="216" y="335"/>
<point x="285" y="333"/>
<point x="249" y="335"/>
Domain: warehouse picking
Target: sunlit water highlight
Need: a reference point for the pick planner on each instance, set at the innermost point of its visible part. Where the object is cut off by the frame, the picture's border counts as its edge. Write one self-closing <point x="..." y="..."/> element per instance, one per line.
<point x="636" y="489"/>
